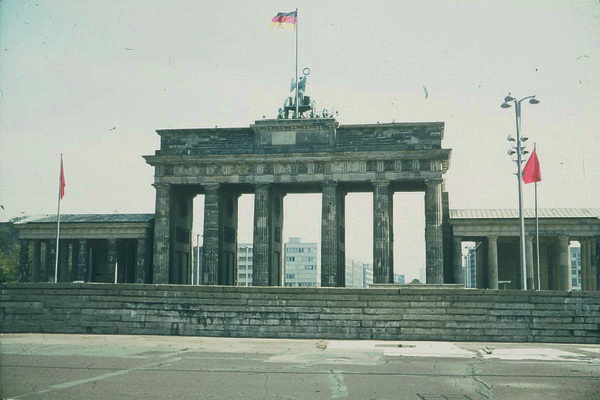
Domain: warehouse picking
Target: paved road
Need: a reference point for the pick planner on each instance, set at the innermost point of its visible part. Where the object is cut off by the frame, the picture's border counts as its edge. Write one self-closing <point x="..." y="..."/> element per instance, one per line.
<point x="35" y="366"/>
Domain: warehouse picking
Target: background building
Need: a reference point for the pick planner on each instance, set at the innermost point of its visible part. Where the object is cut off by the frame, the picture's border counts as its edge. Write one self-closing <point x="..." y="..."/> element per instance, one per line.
<point x="469" y="267"/>
<point x="300" y="264"/>
<point x="244" y="272"/>
<point x="358" y="274"/>
<point x="575" y="254"/>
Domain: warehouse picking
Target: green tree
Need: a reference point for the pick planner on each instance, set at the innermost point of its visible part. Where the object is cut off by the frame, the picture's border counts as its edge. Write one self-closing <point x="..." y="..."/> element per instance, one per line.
<point x="9" y="252"/>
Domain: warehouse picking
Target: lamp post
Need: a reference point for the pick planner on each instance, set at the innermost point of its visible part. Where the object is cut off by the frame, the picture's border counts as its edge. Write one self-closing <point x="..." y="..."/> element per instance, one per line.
<point x="520" y="151"/>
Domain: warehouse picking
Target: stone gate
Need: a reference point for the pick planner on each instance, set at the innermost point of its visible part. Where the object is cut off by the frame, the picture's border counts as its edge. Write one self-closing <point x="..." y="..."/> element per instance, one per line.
<point x="275" y="157"/>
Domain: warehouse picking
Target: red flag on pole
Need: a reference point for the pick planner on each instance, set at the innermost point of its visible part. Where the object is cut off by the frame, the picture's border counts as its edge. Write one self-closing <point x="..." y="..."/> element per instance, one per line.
<point x="63" y="182"/>
<point x="531" y="171"/>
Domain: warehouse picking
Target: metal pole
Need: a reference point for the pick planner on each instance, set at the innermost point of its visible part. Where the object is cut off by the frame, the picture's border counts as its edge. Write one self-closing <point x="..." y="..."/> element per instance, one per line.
<point x="537" y="239"/>
<point x="537" y="233"/>
<point x="297" y="115"/>
<point x="520" y="188"/>
<point x="60" y="172"/>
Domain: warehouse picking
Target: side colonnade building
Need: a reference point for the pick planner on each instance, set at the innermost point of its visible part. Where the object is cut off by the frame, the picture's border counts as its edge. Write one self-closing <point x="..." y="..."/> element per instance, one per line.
<point x="496" y="234"/>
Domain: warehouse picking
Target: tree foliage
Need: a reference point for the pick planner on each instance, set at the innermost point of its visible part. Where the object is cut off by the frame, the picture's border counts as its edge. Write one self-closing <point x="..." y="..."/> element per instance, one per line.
<point x="9" y="252"/>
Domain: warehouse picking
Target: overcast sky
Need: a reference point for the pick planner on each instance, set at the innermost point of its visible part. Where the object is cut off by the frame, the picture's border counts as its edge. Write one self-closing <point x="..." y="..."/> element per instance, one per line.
<point x="95" y="79"/>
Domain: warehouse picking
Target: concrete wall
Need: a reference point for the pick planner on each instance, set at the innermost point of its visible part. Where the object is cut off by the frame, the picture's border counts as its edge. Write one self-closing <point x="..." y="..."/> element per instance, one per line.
<point x="334" y="313"/>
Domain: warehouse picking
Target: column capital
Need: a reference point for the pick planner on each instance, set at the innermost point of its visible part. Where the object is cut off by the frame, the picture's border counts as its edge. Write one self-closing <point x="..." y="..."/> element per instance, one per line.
<point x="492" y="237"/>
<point x="161" y="185"/>
<point x="380" y="182"/>
<point x="211" y="186"/>
<point x="330" y="183"/>
<point x="432" y="182"/>
<point x="529" y="238"/>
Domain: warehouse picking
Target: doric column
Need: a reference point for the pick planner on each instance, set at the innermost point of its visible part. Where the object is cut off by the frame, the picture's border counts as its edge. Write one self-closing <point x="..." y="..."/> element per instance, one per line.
<point x="210" y="258"/>
<point x="82" y="260"/>
<point x="585" y="270"/>
<point x="529" y="257"/>
<point x="594" y="263"/>
<point x="492" y="272"/>
<point x="228" y="225"/>
<point x="162" y="241"/>
<point x="36" y="261"/>
<point x="111" y="261"/>
<point x="50" y="260"/>
<point x="564" y="262"/>
<point x="383" y="236"/>
<point x="141" y="270"/>
<point x="23" y="260"/>
<point x="262" y="236"/>
<point x="458" y="259"/>
<point x="268" y="225"/>
<point x="332" y="236"/>
<point x="434" y="254"/>
<point x="63" y="262"/>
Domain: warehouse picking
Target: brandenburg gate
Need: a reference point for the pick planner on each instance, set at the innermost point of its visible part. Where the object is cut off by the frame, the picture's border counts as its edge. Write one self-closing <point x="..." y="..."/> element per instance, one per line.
<point x="274" y="157"/>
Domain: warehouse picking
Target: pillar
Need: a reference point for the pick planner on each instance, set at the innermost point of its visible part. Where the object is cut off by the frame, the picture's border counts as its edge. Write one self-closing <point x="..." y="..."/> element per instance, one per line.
<point x="434" y="255"/>
<point x="333" y="261"/>
<point x="268" y="224"/>
<point x="594" y="263"/>
<point x="564" y="264"/>
<point x="481" y="263"/>
<point x="82" y="259"/>
<point x="458" y="259"/>
<point x="36" y="261"/>
<point x="50" y="260"/>
<point x="228" y="224"/>
<point x="553" y="264"/>
<point x="588" y="261"/>
<point x="63" y="261"/>
<point x="492" y="262"/>
<point x="111" y="260"/>
<point x="141" y="272"/>
<point x="383" y="236"/>
<point x="210" y="257"/>
<point x="448" y="243"/>
<point x="529" y="258"/>
<point x="162" y="240"/>
<point x="583" y="262"/>
<point x="23" y="260"/>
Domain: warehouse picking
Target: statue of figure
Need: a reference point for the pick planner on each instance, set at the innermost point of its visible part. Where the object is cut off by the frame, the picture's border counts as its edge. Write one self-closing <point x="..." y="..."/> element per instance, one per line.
<point x="305" y="104"/>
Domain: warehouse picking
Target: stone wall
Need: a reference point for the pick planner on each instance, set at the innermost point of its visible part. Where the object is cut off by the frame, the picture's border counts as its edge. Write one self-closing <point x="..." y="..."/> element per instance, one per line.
<point x="333" y="313"/>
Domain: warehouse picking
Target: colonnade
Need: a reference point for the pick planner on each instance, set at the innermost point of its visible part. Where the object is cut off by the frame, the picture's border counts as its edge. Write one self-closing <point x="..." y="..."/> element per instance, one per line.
<point x="555" y="260"/>
<point x="220" y="231"/>
<point x="94" y="260"/>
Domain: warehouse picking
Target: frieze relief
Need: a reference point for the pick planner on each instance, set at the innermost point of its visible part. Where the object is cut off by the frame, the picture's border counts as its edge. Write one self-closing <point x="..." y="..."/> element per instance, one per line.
<point x="288" y="168"/>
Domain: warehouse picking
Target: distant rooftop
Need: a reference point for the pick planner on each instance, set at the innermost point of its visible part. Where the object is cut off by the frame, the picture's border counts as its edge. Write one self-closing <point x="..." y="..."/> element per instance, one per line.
<point x="88" y="218"/>
<point x="496" y="213"/>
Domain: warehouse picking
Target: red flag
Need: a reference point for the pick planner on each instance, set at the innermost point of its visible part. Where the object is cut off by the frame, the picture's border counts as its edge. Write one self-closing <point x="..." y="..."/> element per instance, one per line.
<point x="63" y="182"/>
<point x="531" y="171"/>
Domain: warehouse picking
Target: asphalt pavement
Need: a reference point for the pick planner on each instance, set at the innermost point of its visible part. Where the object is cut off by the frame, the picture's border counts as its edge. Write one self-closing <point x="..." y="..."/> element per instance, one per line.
<point x="38" y="366"/>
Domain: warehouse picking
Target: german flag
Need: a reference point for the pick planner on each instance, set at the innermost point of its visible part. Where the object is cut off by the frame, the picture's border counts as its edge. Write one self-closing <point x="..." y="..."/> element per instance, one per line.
<point x="284" y="20"/>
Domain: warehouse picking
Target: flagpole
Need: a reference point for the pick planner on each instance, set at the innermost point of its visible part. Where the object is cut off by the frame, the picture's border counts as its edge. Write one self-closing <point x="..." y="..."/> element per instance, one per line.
<point x="537" y="232"/>
<point x="296" y="25"/>
<point x="60" y="173"/>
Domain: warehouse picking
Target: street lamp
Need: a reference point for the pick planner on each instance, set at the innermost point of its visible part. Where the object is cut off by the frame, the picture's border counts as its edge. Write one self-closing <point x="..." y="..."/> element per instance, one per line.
<point x="520" y="151"/>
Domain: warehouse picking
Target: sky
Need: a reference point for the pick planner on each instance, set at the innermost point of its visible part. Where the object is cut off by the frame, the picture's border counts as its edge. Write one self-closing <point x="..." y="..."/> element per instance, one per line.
<point x="94" y="80"/>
